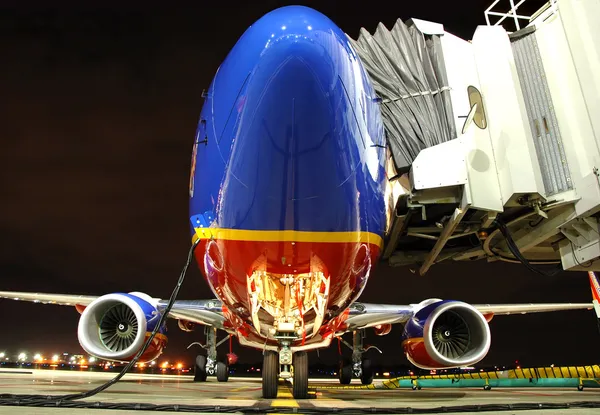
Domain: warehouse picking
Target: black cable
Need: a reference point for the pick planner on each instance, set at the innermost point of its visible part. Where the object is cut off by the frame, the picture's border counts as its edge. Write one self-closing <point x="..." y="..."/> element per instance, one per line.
<point x="576" y="260"/>
<point x="56" y="399"/>
<point x="310" y="410"/>
<point x="514" y="249"/>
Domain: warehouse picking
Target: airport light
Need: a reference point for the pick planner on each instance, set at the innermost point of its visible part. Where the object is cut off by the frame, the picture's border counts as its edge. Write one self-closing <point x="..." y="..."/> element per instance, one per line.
<point x="22" y="356"/>
<point x="179" y="366"/>
<point x="72" y="358"/>
<point x="2" y="355"/>
<point x="165" y="365"/>
<point x="92" y="359"/>
<point x="153" y="362"/>
<point x="55" y="358"/>
<point x="82" y="362"/>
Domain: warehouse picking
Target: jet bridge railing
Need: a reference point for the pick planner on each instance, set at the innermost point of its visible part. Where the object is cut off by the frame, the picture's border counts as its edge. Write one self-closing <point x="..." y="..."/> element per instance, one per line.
<point x="492" y="10"/>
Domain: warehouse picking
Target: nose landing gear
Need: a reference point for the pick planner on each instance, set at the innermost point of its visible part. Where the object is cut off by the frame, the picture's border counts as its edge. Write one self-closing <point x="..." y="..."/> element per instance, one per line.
<point x="277" y="365"/>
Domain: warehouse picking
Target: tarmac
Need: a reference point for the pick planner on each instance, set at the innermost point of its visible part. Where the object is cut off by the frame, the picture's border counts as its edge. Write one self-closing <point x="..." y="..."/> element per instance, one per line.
<point x="245" y="393"/>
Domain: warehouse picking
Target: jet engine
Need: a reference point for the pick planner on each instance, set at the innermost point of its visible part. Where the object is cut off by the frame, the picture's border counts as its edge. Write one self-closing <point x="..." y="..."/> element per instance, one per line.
<point x="116" y="326"/>
<point x="446" y="334"/>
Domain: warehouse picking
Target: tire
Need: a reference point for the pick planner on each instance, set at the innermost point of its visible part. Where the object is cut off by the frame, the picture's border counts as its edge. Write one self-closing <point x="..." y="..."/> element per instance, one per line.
<point x="345" y="373"/>
<point x="222" y="372"/>
<point x="200" y="369"/>
<point x="414" y="387"/>
<point x="579" y="388"/>
<point x="487" y="388"/>
<point x="300" y="362"/>
<point x="367" y="372"/>
<point x="270" y="374"/>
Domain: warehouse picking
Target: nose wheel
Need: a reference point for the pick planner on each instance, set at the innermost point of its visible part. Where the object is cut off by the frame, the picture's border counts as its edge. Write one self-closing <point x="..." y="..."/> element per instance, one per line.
<point x="272" y="369"/>
<point x="270" y="374"/>
<point x="300" y="375"/>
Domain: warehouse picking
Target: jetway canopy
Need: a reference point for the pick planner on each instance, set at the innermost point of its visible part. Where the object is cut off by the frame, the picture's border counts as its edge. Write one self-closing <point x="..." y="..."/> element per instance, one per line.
<point x="408" y="72"/>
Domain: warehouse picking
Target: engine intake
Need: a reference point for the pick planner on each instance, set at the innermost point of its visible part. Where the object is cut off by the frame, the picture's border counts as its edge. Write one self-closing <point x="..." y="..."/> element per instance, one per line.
<point x="446" y="334"/>
<point x="115" y="326"/>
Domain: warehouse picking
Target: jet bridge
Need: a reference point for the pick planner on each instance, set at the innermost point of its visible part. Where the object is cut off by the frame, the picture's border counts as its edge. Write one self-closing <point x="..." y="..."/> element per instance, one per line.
<point x="493" y="143"/>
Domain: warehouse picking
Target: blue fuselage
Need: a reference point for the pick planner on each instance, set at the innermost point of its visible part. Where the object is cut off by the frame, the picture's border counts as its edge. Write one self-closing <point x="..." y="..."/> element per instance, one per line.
<point x="290" y="139"/>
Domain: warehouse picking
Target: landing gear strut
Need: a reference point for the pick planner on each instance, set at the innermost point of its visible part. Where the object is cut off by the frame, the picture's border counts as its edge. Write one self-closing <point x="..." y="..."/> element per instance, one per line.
<point x="358" y="367"/>
<point x="285" y="365"/>
<point x="209" y="364"/>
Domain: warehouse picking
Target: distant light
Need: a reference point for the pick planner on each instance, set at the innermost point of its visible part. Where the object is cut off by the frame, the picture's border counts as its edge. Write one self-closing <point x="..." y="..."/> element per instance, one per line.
<point x="92" y="359"/>
<point x="309" y="27"/>
<point x="2" y="355"/>
<point x="72" y="358"/>
<point x="142" y="365"/>
<point x="37" y="356"/>
<point x="179" y="366"/>
<point x="165" y="365"/>
<point x="283" y="27"/>
<point x="153" y="362"/>
<point x="82" y="362"/>
<point x="386" y="373"/>
<point x="55" y="358"/>
<point x="22" y="356"/>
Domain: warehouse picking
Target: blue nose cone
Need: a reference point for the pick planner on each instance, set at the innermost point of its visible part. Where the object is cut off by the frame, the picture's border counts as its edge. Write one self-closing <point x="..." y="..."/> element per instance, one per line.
<point x="299" y="129"/>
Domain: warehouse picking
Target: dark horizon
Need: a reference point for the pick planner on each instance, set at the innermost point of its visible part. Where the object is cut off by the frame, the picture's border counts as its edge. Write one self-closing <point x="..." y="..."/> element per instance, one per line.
<point x="101" y="102"/>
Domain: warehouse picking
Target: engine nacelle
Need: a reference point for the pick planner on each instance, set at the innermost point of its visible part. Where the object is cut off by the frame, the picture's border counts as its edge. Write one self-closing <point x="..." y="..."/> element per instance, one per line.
<point x="116" y="326"/>
<point x="446" y="334"/>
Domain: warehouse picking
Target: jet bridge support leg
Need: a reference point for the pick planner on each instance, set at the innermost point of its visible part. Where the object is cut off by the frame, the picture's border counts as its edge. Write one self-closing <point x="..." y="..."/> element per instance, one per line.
<point x="447" y="232"/>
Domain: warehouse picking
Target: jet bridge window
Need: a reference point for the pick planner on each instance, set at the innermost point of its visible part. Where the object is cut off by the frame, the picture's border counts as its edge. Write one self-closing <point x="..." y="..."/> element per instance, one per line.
<point x="477" y="113"/>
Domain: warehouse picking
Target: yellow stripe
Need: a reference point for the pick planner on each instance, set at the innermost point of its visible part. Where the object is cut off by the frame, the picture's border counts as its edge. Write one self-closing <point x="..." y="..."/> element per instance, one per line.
<point x="286" y="236"/>
<point x="290" y="402"/>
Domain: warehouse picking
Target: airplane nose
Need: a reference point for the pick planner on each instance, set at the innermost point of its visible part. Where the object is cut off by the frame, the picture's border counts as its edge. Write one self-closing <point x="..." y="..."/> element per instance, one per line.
<point x="296" y="140"/>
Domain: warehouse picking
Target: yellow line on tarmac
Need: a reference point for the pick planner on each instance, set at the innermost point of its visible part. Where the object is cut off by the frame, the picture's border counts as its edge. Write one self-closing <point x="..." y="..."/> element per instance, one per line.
<point x="288" y="400"/>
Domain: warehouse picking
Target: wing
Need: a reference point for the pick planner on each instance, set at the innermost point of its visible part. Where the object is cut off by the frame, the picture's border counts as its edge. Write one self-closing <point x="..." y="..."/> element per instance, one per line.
<point x="206" y="312"/>
<point x="364" y="315"/>
<point x="507" y="309"/>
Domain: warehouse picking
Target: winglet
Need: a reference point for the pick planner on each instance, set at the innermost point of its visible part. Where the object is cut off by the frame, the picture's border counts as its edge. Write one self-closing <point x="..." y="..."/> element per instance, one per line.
<point x="595" y="286"/>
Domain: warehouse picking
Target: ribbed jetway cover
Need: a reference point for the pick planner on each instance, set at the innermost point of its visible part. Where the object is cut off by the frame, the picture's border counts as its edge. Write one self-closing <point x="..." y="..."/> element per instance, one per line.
<point x="409" y="75"/>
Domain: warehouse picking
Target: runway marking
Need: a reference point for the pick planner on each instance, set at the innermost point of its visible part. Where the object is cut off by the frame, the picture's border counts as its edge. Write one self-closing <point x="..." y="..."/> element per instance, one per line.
<point x="288" y="401"/>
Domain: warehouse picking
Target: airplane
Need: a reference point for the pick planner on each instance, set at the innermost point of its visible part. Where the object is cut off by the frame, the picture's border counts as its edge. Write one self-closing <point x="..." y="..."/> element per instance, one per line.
<point x="288" y="210"/>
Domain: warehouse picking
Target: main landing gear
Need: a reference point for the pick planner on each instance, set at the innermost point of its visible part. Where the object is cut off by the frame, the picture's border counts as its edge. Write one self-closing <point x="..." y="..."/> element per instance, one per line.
<point x="357" y="367"/>
<point x="210" y="365"/>
<point x="286" y="365"/>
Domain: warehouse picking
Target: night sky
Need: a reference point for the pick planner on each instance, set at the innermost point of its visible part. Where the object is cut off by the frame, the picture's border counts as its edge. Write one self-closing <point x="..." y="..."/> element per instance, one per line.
<point x="98" y="110"/>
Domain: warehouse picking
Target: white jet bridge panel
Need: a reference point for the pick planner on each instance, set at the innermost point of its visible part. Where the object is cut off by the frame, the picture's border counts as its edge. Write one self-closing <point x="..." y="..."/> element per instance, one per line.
<point x="408" y="72"/>
<point x="540" y="110"/>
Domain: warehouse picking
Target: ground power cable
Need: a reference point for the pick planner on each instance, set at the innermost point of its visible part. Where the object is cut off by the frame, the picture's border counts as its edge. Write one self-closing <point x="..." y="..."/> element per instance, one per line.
<point x="54" y="400"/>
